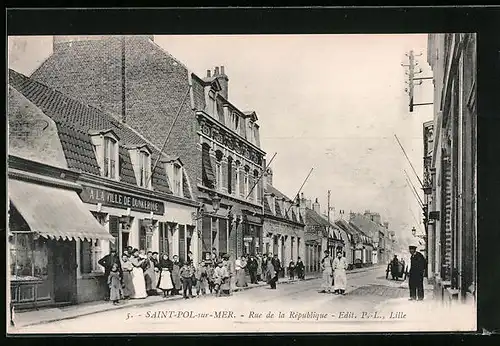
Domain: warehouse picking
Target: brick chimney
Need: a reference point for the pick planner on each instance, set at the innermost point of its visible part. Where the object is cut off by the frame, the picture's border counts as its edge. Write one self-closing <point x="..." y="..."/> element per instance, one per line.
<point x="269" y="177"/>
<point x="316" y="207"/>
<point x="221" y="76"/>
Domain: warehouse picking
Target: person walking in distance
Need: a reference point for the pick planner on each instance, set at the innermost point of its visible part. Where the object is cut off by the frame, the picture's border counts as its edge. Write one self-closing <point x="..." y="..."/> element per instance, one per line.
<point x="300" y="268"/>
<point x="259" y="267"/>
<point x="416" y="274"/>
<point x="291" y="270"/>
<point x="277" y="266"/>
<point x="339" y="272"/>
<point x="327" y="268"/>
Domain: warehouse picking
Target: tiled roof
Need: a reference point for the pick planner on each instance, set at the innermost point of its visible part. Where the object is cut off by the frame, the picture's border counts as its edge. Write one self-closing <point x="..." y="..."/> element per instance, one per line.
<point x="267" y="209"/>
<point x="271" y="189"/>
<point x="185" y="187"/>
<point x="74" y="120"/>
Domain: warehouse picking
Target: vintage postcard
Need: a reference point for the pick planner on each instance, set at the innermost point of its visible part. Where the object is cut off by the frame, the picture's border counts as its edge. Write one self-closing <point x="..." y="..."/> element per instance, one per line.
<point x="242" y="183"/>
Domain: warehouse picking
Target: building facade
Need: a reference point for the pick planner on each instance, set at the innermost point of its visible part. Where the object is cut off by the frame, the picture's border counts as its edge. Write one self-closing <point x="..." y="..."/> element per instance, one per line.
<point x="371" y="224"/>
<point x="140" y="197"/>
<point x="284" y="233"/>
<point x="452" y="166"/>
<point x="157" y="95"/>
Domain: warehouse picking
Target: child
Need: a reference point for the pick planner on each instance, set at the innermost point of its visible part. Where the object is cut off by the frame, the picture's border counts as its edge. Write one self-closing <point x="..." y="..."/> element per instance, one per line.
<point x="115" y="285"/>
<point x="222" y="280"/>
<point x="187" y="273"/>
<point x="201" y="279"/>
<point x="210" y="276"/>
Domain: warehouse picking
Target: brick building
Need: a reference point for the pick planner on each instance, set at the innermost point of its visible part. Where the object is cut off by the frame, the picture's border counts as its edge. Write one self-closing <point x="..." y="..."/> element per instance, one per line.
<point x="451" y="163"/>
<point x="112" y="170"/>
<point x="217" y="142"/>
<point x="283" y="225"/>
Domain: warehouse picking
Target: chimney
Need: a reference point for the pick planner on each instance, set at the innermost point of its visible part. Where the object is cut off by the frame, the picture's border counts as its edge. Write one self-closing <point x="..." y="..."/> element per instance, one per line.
<point x="209" y="73"/>
<point x="308" y="204"/>
<point x="223" y="80"/>
<point x="386" y="224"/>
<point x="316" y="207"/>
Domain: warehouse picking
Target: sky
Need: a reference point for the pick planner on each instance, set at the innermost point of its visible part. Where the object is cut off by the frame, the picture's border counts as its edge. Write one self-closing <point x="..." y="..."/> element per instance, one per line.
<point x="332" y="103"/>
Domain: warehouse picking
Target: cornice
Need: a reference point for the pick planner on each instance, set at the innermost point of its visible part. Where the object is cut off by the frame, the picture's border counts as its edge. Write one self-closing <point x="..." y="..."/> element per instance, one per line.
<point x="42" y="169"/>
<point x="41" y="179"/>
<point x="229" y="197"/>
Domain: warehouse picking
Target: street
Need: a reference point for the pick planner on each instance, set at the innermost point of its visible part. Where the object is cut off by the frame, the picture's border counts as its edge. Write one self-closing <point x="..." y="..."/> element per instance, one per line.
<point x="372" y="304"/>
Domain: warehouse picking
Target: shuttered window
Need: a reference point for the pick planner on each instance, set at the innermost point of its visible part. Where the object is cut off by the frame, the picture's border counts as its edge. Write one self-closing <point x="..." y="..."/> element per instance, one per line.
<point x="182" y="242"/>
<point x="223" y="235"/>
<point x="206" y="239"/>
<point x="208" y="178"/>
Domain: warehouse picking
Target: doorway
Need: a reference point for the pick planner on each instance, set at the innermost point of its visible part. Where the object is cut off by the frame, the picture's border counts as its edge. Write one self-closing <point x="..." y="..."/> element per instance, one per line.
<point x="64" y="259"/>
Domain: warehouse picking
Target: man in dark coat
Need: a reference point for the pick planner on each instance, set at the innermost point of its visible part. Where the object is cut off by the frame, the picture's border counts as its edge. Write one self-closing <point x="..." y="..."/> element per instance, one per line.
<point x="277" y="266"/>
<point x="300" y="268"/>
<point x="252" y="269"/>
<point x="107" y="262"/>
<point x="416" y="273"/>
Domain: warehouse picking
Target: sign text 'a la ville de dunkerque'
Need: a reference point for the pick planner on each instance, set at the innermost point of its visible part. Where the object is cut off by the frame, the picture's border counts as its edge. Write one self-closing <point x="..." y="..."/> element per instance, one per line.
<point x="121" y="200"/>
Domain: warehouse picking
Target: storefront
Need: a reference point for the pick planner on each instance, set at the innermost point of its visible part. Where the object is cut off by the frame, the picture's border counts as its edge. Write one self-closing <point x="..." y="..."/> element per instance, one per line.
<point x="47" y="221"/>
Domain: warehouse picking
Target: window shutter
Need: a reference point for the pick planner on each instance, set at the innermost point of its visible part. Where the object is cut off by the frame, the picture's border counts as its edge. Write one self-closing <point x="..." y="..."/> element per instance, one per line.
<point x="242" y="182"/>
<point x="182" y="242"/>
<point x="223" y="235"/>
<point x="206" y="234"/>
<point x="207" y="168"/>
<point x="224" y="175"/>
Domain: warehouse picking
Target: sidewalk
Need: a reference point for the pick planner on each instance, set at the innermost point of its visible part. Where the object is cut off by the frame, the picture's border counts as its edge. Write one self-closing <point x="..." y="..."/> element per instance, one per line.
<point x="49" y="315"/>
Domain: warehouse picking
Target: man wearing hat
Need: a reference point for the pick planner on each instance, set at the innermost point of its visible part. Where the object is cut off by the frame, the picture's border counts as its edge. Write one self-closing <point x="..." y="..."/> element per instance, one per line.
<point x="416" y="274"/>
<point x="326" y="266"/>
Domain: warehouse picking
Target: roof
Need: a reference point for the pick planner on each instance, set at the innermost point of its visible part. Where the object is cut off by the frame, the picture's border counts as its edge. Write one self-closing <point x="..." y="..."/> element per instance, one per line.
<point x="292" y="216"/>
<point x="74" y="121"/>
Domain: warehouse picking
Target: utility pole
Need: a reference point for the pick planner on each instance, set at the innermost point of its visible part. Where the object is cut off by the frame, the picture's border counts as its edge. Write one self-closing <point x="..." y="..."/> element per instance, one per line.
<point x="412" y="63"/>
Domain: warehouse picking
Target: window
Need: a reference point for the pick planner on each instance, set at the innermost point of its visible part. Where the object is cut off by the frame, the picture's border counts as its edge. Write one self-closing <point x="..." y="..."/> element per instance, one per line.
<point x="146" y="237"/>
<point x="211" y="103"/>
<point x="256" y="190"/>
<point x="250" y="132"/>
<point x="177" y="180"/>
<point x="218" y="175"/>
<point x="163" y="238"/>
<point x="246" y="182"/>
<point x="236" y="121"/>
<point x="90" y="254"/>
<point x="229" y="175"/>
<point x="28" y="257"/>
<point x="144" y="169"/>
<point x="110" y="157"/>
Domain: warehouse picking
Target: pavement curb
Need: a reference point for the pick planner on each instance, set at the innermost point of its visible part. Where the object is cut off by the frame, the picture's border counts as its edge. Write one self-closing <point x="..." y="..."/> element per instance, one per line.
<point x="150" y="303"/>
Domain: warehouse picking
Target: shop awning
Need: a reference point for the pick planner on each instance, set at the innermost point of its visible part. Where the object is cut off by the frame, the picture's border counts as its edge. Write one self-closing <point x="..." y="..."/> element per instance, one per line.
<point x="55" y="213"/>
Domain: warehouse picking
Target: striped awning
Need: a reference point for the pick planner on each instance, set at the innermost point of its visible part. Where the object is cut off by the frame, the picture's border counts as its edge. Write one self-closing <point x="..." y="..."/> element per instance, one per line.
<point x="55" y="213"/>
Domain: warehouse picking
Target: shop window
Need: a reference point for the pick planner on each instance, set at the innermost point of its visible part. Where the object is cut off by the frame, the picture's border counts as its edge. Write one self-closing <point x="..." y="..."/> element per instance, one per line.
<point x="145" y="238"/>
<point x="28" y="257"/>
<point x="90" y="254"/>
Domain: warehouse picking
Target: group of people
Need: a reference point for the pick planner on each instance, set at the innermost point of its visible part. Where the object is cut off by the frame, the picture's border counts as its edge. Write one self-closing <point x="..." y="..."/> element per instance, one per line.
<point x="334" y="273"/>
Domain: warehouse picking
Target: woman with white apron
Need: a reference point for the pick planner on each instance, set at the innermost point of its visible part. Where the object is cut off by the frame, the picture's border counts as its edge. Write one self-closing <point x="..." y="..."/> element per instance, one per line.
<point x="340" y="276"/>
<point x="138" y="276"/>
<point x="326" y="266"/>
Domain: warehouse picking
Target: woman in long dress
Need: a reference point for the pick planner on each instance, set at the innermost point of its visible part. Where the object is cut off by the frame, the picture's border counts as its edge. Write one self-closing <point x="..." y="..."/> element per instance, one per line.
<point x="340" y="276"/>
<point x="128" y="285"/>
<point x="176" y="276"/>
<point x="239" y="266"/>
<point x="115" y="285"/>
<point x="271" y="277"/>
<point x="138" y="276"/>
<point x="165" y="282"/>
<point x="326" y="266"/>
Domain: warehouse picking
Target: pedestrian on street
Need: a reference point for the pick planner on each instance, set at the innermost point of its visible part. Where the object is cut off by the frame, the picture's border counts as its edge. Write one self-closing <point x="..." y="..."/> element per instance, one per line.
<point x="327" y="268"/>
<point x="187" y="273"/>
<point x="271" y="274"/>
<point x="230" y="266"/>
<point x="259" y="267"/>
<point x="222" y="280"/>
<point x="252" y="266"/>
<point x="201" y="279"/>
<point x="277" y="266"/>
<point x="138" y="275"/>
<point x="128" y="285"/>
<point x="149" y="275"/>
<point x="165" y="276"/>
<point x="291" y="270"/>
<point x="214" y="257"/>
<point x="300" y="268"/>
<point x="115" y="284"/>
<point x="416" y="274"/>
<point x="239" y="266"/>
<point x="210" y="275"/>
<point x="176" y="276"/>
<point x="107" y="262"/>
<point x="340" y="276"/>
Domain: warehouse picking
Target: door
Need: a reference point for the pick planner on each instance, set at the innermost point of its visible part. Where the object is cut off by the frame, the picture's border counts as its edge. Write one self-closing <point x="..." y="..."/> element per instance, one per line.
<point x="64" y="255"/>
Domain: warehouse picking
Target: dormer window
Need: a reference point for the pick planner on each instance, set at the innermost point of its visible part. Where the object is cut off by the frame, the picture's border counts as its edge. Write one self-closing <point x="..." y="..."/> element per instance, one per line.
<point x="211" y="103"/>
<point x="141" y="161"/>
<point x="106" y="149"/>
<point x="144" y="169"/>
<point x="177" y="179"/>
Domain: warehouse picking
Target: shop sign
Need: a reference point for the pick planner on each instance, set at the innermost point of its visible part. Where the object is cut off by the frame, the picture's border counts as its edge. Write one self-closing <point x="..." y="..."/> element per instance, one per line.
<point x="121" y="200"/>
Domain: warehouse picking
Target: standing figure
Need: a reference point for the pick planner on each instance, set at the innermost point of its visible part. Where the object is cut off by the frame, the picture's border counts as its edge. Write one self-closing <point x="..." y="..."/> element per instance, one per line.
<point x="107" y="262"/>
<point x="277" y="266"/>
<point x="252" y="266"/>
<point x="128" y="285"/>
<point x="165" y="281"/>
<point x="149" y="274"/>
<point x="210" y="275"/>
<point x="138" y="276"/>
<point x="201" y="279"/>
<point x="340" y="276"/>
<point x="176" y="276"/>
<point x="186" y="274"/>
<point x="326" y="267"/>
<point x="271" y="274"/>
<point x="114" y="284"/>
<point x="222" y="280"/>
<point x="259" y="268"/>
<point x="300" y="268"/>
<point x="291" y="270"/>
<point x="239" y="266"/>
<point x="230" y="266"/>
<point x="416" y="274"/>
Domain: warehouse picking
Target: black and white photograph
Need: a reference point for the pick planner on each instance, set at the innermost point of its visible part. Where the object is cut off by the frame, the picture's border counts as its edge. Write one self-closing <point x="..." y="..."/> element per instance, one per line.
<point x="251" y="183"/>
